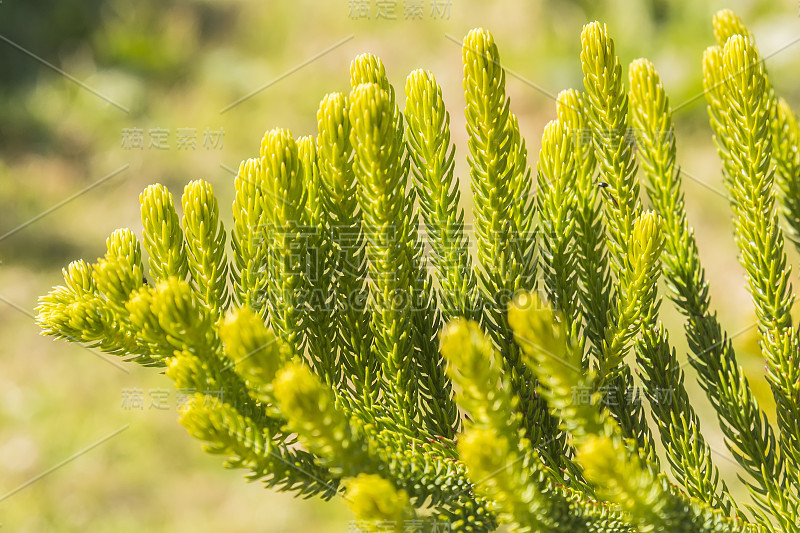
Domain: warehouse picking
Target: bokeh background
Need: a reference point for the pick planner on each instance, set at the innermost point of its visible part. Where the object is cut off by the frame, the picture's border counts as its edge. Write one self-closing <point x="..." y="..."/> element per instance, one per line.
<point x="100" y="99"/>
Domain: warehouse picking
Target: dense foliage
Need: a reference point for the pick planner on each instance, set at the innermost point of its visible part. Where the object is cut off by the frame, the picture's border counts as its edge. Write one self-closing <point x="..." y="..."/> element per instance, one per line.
<point x="363" y="350"/>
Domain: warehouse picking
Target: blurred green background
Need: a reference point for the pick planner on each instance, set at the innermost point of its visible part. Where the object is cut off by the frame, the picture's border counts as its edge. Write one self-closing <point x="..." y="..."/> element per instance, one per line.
<point x="84" y="82"/>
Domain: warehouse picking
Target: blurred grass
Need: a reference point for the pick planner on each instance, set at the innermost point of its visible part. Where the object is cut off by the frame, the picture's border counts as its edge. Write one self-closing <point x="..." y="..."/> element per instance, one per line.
<point x="175" y="65"/>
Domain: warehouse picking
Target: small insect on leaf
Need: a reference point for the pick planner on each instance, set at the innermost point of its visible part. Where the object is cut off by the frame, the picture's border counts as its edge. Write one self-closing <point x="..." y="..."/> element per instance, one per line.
<point x="607" y="194"/>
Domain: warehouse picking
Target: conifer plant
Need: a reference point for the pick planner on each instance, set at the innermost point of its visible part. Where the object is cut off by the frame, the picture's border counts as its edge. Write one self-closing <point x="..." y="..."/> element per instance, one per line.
<point x="365" y="351"/>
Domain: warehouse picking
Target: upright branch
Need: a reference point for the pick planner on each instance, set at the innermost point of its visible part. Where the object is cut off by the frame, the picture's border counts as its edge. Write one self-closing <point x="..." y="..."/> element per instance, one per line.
<point x="433" y="157"/>
<point x="556" y="206"/>
<point x="205" y="244"/>
<point x="505" y="246"/>
<point x="247" y="238"/>
<point x="382" y="197"/>
<point x="595" y="287"/>
<point x="284" y="200"/>
<point x="740" y="108"/>
<point x="432" y="154"/>
<point x="687" y="452"/>
<point x="346" y="239"/>
<point x="317" y="282"/>
<point x="607" y="109"/>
